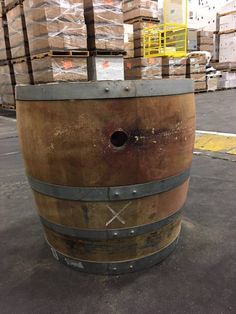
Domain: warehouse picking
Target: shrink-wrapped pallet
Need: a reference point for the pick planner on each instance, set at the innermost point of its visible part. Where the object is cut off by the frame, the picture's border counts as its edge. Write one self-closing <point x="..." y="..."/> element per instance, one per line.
<point x="104" y="19"/>
<point x="140" y="8"/>
<point x="143" y="68"/>
<point x="174" y="67"/>
<point x="6" y="87"/>
<point x="3" y="48"/>
<point x="17" y="32"/>
<point x="55" y="25"/>
<point x="59" y="69"/>
<point x="129" y="40"/>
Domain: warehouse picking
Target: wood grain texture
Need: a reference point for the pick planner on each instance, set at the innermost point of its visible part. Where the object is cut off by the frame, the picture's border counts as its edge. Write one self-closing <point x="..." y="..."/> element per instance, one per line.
<point x="68" y="143"/>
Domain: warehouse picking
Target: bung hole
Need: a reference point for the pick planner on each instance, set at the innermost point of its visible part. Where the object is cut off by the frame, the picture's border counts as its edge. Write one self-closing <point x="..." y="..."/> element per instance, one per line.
<point x="119" y="138"/>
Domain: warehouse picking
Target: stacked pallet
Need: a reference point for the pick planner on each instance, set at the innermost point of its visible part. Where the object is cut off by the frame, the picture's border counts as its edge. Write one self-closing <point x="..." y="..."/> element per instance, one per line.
<point x="140" y="8"/>
<point x="7" y="78"/>
<point x="129" y="40"/>
<point x="196" y="70"/>
<point x="174" y="68"/>
<point x="104" y="20"/>
<point x="227" y="46"/>
<point x="57" y="40"/>
<point x="143" y="68"/>
<point x="20" y="54"/>
<point x="141" y="14"/>
<point x="205" y="41"/>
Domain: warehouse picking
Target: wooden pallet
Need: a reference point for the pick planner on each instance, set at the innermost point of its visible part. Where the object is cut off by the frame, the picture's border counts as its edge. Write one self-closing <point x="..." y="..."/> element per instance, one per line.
<point x="143" y="19"/>
<point x="104" y="52"/>
<point x="8" y="106"/>
<point x="61" y="53"/>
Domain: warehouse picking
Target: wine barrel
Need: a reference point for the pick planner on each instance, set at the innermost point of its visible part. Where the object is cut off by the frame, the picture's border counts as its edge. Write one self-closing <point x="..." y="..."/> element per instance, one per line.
<point x="109" y="165"/>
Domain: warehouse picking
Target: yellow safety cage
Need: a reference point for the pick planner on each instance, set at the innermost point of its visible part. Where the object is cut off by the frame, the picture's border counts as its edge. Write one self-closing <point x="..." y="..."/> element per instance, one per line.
<point x="170" y="38"/>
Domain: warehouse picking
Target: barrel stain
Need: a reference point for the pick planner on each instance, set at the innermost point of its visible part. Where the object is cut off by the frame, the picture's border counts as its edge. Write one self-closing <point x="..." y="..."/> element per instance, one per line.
<point x="85" y="213"/>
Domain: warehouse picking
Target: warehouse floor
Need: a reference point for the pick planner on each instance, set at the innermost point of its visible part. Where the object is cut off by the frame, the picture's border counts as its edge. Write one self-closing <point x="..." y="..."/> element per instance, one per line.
<point x="198" y="278"/>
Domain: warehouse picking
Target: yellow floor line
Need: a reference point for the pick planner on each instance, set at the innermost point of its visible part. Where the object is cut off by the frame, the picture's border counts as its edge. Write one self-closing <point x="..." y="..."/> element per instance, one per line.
<point x="216" y="142"/>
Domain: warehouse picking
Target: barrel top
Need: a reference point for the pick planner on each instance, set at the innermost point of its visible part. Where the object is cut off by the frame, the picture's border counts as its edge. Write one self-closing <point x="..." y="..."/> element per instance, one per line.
<point x="104" y="89"/>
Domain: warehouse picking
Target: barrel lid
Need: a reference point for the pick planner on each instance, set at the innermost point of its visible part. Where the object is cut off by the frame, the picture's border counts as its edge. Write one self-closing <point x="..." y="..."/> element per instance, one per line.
<point x="104" y="89"/>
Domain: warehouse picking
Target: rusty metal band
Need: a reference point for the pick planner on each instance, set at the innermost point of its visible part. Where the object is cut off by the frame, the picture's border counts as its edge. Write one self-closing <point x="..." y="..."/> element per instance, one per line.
<point x="103" y="194"/>
<point x="116" y="268"/>
<point x="105" y="234"/>
<point x="104" y="89"/>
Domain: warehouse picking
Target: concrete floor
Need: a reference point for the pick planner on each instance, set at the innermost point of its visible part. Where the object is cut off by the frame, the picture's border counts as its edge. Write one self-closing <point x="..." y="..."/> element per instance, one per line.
<point x="198" y="278"/>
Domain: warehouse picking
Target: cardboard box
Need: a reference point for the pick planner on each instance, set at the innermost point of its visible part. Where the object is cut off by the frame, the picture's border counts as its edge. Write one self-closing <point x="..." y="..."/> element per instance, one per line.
<point x="17" y="32"/>
<point x="55" y="26"/>
<point x="205" y="34"/>
<point x="6" y="87"/>
<point x="21" y="71"/>
<point x="228" y="22"/>
<point x="200" y="85"/>
<point x="212" y="83"/>
<point x="173" y="66"/>
<point x="192" y="40"/>
<point x="59" y="69"/>
<point x="227" y="50"/>
<point x="129" y="40"/>
<point x="102" y="68"/>
<point x="3" y="48"/>
<point x="134" y="9"/>
<point x="143" y="68"/>
<point x="105" y="27"/>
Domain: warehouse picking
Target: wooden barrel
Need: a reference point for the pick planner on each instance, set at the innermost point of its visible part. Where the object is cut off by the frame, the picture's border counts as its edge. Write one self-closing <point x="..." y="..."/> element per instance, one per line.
<point x="109" y="165"/>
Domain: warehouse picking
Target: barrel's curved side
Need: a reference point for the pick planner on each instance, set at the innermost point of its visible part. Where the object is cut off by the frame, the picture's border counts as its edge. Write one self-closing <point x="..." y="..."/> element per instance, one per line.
<point x="108" y="209"/>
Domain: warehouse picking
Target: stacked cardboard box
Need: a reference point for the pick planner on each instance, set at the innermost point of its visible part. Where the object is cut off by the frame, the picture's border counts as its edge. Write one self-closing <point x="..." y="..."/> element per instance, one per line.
<point x="59" y="68"/>
<point x="4" y="50"/>
<point x="227" y="80"/>
<point x="174" y="67"/>
<point x="140" y="8"/>
<point x="196" y="70"/>
<point x="105" y="27"/>
<point x="129" y="40"/>
<point x="205" y="41"/>
<point x="7" y="78"/>
<point x="55" y="25"/>
<point x="7" y="94"/>
<point x="143" y="68"/>
<point x="54" y="29"/>
<point x="104" y="20"/>
<point x="104" y="67"/>
<point x="192" y="40"/>
<point x="227" y="31"/>
<point x="139" y="26"/>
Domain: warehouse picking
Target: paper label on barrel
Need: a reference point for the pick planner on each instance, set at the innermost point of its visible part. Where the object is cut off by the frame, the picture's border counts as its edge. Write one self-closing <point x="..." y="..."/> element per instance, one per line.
<point x="78" y="264"/>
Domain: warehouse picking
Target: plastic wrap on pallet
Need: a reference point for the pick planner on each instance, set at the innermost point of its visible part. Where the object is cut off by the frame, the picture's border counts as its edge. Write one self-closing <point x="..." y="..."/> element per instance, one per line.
<point x="104" y="19"/>
<point x="212" y="83"/>
<point x="102" y="68"/>
<point x="21" y="72"/>
<point x="3" y="49"/>
<point x="140" y="8"/>
<point x="129" y="40"/>
<point x="59" y="69"/>
<point x="173" y="66"/>
<point x="16" y="32"/>
<point x="143" y="68"/>
<point x="6" y="88"/>
<point x="227" y="80"/>
<point x="55" y="25"/>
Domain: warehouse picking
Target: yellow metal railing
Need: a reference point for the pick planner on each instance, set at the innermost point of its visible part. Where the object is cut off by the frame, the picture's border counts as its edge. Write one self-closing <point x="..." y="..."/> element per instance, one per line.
<point x="170" y="38"/>
<point x="165" y="40"/>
